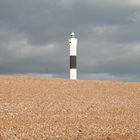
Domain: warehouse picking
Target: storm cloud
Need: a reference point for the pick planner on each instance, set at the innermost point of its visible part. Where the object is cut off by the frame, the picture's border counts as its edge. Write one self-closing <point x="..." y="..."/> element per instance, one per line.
<point x="34" y="38"/>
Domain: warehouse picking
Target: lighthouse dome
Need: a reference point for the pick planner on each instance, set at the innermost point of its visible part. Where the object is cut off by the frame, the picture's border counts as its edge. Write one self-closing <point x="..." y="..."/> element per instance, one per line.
<point x="72" y="34"/>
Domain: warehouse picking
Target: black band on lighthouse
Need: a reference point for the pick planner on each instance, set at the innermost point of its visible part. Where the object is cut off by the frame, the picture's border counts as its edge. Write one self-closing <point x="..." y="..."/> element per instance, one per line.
<point x="72" y="62"/>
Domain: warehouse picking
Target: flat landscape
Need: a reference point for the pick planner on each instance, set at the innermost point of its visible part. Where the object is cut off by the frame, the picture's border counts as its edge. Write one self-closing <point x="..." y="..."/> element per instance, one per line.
<point x="40" y="108"/>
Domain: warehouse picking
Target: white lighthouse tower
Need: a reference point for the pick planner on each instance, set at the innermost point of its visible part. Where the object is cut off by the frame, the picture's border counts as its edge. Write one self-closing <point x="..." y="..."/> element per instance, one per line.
<point x="73" y="54"/>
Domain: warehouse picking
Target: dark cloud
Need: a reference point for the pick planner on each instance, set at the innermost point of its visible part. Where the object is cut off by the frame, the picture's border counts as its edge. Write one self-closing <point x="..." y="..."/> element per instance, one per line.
<point x="34" y="34"/>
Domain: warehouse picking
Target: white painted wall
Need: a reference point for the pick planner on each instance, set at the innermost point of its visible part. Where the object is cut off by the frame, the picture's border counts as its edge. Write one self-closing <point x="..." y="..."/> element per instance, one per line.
<point x="73" y="46"/>
<point x="73" y="74"/>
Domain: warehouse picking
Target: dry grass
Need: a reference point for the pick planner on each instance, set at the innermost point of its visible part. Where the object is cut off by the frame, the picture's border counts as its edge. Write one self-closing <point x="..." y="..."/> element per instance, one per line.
<point x="35" y="108"/>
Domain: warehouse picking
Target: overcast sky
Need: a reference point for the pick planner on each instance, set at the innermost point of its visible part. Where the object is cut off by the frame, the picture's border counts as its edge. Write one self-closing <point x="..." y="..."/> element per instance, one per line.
<point x="34" y="38"/>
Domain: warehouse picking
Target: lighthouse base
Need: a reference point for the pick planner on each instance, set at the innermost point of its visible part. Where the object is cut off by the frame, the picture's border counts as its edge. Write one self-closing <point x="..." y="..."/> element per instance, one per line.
<point x="73" y="74"/>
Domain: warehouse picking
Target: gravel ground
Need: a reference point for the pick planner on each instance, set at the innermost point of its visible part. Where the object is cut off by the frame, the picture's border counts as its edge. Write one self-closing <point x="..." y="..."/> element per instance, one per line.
<point x="37" y="108"/>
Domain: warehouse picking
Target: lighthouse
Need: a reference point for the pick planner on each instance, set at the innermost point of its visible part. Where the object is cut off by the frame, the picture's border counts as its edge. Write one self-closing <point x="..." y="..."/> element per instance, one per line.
<point x="73" y="53"/>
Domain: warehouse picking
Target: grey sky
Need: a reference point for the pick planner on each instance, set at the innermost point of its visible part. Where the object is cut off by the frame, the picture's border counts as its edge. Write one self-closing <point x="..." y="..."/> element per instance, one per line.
<point x="34" y="37"/>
